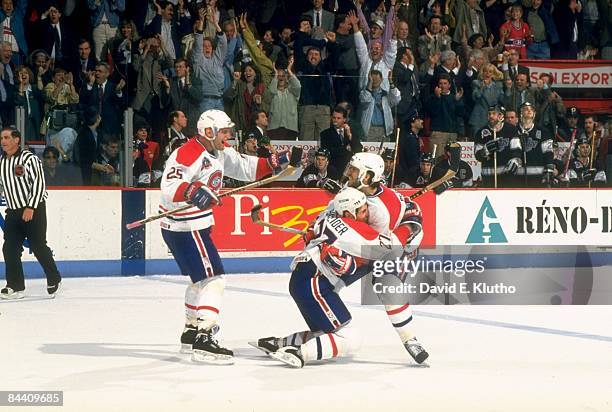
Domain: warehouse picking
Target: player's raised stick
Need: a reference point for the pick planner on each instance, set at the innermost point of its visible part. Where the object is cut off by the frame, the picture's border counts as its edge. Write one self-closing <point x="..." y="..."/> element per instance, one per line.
<point x="592" y="155"/>
<point x="495" y="159"/>
<point x="455" y="158"/>
<point x="397" y="136"/>
<point x="257" y="220"/>
<point x="569" y="154"/>
<point x="289" y="170"/>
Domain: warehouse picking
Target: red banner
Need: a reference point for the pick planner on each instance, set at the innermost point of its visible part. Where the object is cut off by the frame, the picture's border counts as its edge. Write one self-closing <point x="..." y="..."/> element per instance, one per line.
<point x="235" y="232"/>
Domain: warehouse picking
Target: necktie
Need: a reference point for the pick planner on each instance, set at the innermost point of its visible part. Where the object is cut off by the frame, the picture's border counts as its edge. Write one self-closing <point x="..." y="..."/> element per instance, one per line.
<point x="318" y="19"/>
<point x="57" y="42"/>
<point x="415" y="84"/>
<point x="84" y="66"/>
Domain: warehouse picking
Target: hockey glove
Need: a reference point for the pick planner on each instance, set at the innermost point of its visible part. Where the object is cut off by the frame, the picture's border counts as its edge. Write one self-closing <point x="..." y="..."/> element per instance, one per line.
<point x="331" y="185"/>
<point x="413" y="213"/>
<point x="589" y="175"/>
<point x="492" y="146"/>
<point x="338" y="260"/>
<point x="444" y="186"/>
<point x="200" y="195"/>
<point x="512" y="166"/>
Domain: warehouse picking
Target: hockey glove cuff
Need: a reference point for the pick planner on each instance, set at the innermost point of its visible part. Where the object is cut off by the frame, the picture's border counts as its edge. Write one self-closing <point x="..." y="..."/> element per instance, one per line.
<point x="201" y="196"/>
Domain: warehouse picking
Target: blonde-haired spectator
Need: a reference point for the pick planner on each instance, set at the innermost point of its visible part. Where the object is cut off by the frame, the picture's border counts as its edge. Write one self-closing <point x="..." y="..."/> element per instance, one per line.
<point x="487" y="91"/>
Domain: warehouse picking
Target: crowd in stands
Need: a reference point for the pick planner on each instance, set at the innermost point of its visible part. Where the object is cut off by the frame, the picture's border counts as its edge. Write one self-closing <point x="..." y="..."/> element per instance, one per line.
<point x="337" y="72"/>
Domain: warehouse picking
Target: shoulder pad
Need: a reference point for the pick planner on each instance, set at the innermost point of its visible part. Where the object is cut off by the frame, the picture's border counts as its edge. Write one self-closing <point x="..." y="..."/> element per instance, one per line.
<point x="188" y="153"/>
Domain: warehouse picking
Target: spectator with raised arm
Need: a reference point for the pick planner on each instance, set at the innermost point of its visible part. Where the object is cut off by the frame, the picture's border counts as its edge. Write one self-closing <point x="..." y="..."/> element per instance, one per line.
<point x="169" y="27"/>
<point x="375" y="107"/>
<point x="487" y="91"/>
<point x="124" y="48"/>
<point x="105" y="15"/>
<point x="106" y="97"/>
<point x="446" y="111"/>
<point x="435" y="40"/>
<point x="207" y="58"/>
<point x="244" y="98"/>
<point x="11" y="23"/>
<point x="283" y="94"/>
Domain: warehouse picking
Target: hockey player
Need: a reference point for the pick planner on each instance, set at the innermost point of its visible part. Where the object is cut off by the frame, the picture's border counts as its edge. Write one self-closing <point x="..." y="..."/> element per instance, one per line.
<point x="581" y="171"/>
<point x="387" y="210"/>
<point x="339" y="251"/>
<point x="537" y="151"/>
<point x="463" y="177"/>
<point x="420" y="176"/>
<point x="319" y="171"/>
<point x="498" y="142"/>
<point x="194" y="175"/>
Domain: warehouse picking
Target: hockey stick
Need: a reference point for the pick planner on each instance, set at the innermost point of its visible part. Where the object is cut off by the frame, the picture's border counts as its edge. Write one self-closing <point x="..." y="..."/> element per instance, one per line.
<point x="257" y="220"/>
<point x="455" y="158"/>
<point x="395" y="155"/>
<point x="286" y="172"/>
<point x="495" y="159"/>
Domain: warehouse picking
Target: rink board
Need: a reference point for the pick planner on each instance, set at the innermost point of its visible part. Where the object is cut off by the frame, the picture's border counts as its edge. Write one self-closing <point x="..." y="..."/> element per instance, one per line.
<point x="87" y="234"/>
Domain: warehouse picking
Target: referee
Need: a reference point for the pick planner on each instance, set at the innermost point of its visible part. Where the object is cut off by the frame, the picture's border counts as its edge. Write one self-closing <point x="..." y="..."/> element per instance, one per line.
<point x="23" y="183"/>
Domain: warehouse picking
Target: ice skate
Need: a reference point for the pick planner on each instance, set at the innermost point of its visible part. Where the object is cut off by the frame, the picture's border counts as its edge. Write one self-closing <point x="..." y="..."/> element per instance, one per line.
<point x="290" y="355"/>
<point x="416" y="350"/>
<point x="188" y="338"/>
<point x="10" y="294"/>
<point x="53" y="290"/>
<point x="266" y="345"/>
<point x="206" y="349"/>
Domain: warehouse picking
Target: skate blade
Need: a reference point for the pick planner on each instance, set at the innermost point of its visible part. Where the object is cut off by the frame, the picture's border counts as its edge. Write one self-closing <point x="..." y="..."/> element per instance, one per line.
<point x="186" y="348"/>
<point x="14" y="296"/>
<point x="261" y="348"/>
<point x="287" y="359"/>
<point x="211" y="358"/>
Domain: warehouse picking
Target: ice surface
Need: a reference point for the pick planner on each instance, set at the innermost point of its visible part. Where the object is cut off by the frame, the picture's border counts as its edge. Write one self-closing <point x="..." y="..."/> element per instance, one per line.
<point x="111" y="344"/>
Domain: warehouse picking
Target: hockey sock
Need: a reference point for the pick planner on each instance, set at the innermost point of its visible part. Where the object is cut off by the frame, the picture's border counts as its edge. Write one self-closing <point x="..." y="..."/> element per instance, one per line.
<point x="340" y="343"/>
<point x="203" y="302"/>
<point x="297" y="339"/>
<point x="397" y="308"/>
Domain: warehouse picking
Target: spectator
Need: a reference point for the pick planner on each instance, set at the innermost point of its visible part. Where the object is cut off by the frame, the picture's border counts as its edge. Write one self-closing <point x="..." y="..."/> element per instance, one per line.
<point x="347" y="66"/>
<point x="105" y="15"/>
<point x="567" y="16"/>
<point x="516" y="32"/>
<point x="435" y="40"/>
<point x="60" y="95"/>
<point x="591" y="18"/>
<point x="403" y="34"/>
<point x="183" y="92"/>
<point x="169" y="29"/>
<point x="549" y="105"/>
<point x="477" y="43"/>
<point x="245" y="97"/>
<point x="318" y="171"/>
<point x="375" y="107"/>
<point x="86" y="147"/>
<point x="178" y="123"/>
<point x="512" y="68"/>
<point x="57" y="38"/>
<point x="450" y="66"/>
<point x="210" y="12"/>
<point x="268" y="41"/>
<point x="260" y="130"/>
<point x="494" y="16"/>
<point x="543" y="29"/>
<point x="487" y="91"/>
<point x="234" y="44"/>
<point x="511" y="118"/>
<point x="64" y="141"/>
<point x="446" y="110"/>
<point x="82" y="66"/>
<point x="405" y="76"/>
<point x="262" y="61"/>
<point x="339" y="140"/>
<point x="7" y="85"/>
<point x="470" y="20"/>
<point x="31" y="98"/>
<point x="56" y="173"/>
<point x="249" y="144"/>
<point x="106" y="97"/>
<point x="106" y="167"/>
<point x="283" y="94"/>
<point x="441" y="9"/>
<point x="11" y="22"/>
<point x="408" y="13"/>
<point x="207" y="61"/>
<point x="605" y="35"/>
<point x="147" y="160"/>
<point x="124" y="47"/>
<point x="7" y="68"/>
<point x="410" y="145"/>
<point x="40" y="63"/>
<point x="322" y="20"/>
<point x="518" y="92"/>
<point x="353" y="122"/>
<point x="381" y="57"/>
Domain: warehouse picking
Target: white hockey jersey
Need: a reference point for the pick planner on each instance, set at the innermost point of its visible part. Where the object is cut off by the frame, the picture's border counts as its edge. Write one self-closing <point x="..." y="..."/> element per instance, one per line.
<point x="358" y="239"/>
<point x="192" y="162"/>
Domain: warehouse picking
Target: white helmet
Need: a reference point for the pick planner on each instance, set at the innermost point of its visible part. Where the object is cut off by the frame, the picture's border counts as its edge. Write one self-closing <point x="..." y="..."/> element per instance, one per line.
<point x="214" y="119"/>
<point x="349" y="200"/>
<point x="367" y="162"/>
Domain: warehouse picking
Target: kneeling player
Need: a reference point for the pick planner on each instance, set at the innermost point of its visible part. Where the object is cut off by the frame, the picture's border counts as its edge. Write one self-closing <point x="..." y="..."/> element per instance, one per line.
<point x="339" y="253"/>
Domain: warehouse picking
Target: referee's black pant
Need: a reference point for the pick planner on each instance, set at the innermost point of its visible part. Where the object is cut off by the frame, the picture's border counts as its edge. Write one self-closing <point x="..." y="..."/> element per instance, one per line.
<point x="15" y="232"/>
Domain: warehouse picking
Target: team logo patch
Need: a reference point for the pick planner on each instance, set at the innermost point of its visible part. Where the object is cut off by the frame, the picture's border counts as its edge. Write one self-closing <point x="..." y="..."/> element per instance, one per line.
<point x="19" y="170"/>
<point x="206" y="163"/>
<point x="215" y="181"/>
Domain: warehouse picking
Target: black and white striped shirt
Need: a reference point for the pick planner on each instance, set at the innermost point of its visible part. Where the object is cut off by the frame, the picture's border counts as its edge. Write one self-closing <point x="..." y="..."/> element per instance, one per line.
<point x="22" y="180"/>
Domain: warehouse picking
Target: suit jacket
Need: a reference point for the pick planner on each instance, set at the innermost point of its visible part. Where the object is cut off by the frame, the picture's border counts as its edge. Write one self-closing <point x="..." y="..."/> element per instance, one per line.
<point x="80" y="78"/>
<point x="186" y="100"/>
<point x="33" y="111"/>
<point x="17" y="19"/>
<point x="327" y="19"/>
<point x="521" y="70"/>
<point x="148" y="67"/>
<point x="336" y="144"/>
<point x="407" y="85"/>
<point x="112" y="106"/>
<point x="67" y="39"/>
<point x="86" y="147"/>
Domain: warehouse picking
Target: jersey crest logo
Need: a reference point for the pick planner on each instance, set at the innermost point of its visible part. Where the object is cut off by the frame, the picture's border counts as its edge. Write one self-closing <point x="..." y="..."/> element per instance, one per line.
<point x="215" y="181"/>
<point x="530" y="144"/>
<point x="487" y="227"/>
<point x="206" y="163"/>
<point x="19" y="170"/>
